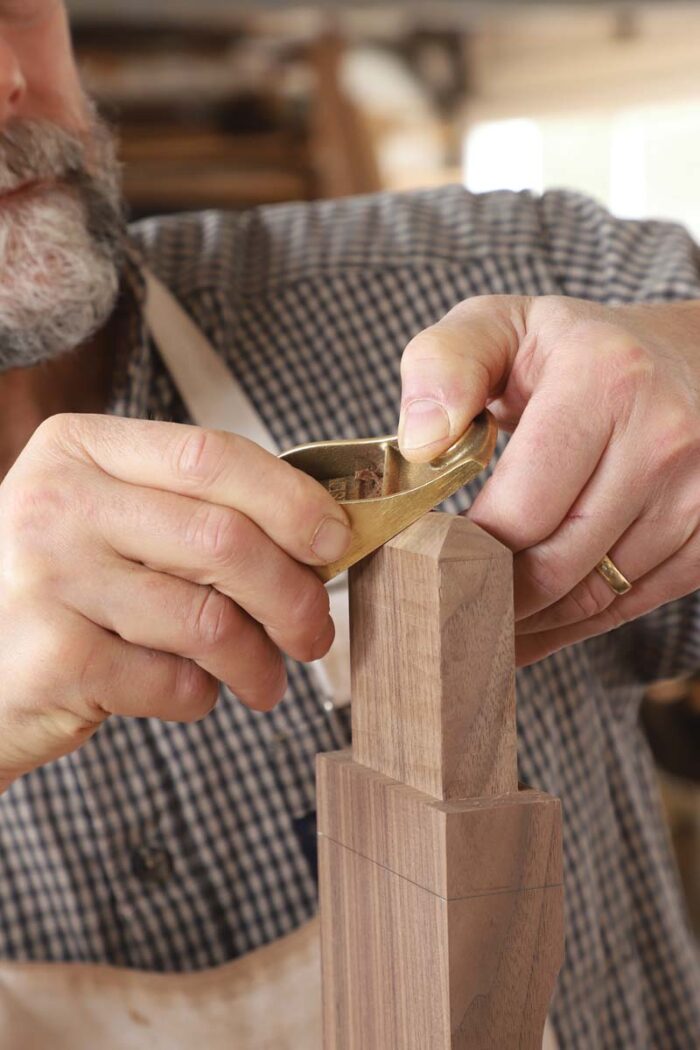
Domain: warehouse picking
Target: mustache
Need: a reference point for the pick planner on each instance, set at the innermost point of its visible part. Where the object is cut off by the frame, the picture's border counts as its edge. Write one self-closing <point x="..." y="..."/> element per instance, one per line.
<point x="62" y="250"/>
<point x="37" y="151"/>
<point x="41" y="151"/>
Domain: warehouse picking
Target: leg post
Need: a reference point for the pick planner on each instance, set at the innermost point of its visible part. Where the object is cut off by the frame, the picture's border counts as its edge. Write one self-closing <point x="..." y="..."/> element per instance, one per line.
<point x="440" y="880"/>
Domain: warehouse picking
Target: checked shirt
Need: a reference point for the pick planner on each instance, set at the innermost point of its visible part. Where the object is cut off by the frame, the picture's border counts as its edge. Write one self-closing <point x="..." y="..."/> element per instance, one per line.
<point x="174" y="847"/>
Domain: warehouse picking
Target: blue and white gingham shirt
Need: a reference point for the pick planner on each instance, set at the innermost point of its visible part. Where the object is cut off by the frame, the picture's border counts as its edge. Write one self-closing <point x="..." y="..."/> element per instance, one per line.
<point x="173" y="847"/>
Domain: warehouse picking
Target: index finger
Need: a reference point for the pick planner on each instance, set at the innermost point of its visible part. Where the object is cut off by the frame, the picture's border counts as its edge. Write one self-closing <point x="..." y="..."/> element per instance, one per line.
<point x="293" y="509"/>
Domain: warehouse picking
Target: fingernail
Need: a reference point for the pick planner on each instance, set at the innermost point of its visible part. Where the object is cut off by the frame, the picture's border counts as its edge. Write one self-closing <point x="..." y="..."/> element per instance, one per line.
<point x="425" y="421"/>
<point x="331" y="540"/>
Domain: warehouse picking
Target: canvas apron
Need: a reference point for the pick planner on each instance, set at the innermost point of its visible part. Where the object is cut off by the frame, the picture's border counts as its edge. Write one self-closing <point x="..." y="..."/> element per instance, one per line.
<point x="271" y="998"/>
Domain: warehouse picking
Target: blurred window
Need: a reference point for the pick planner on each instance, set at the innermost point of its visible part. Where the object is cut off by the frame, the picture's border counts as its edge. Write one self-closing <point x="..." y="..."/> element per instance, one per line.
<point x="641" y="161"/>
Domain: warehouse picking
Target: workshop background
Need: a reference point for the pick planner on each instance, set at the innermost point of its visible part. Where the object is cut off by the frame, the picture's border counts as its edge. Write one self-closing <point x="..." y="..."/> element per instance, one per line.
<point x="231" y="104"/>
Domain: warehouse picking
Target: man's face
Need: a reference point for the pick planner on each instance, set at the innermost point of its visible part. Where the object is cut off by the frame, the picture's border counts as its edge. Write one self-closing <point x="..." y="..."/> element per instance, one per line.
<point x="61" y="226"/>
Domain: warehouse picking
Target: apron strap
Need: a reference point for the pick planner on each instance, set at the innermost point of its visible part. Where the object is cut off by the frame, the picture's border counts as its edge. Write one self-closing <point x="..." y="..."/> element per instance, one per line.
<point x="215" y="400"/>
<point x="210" y="392"/>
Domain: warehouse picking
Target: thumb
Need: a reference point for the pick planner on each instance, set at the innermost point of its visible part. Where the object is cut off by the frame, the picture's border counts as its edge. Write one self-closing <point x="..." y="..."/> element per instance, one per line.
<point x="450" y="370"/>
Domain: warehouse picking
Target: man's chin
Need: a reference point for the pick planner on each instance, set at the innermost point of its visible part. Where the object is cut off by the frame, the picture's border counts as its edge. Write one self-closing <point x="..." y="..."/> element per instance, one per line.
<point x="61" y="239"/>
<point x="59" y="282"/>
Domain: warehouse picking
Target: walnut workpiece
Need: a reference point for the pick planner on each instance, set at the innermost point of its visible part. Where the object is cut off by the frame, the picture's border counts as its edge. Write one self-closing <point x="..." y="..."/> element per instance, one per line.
<point x="440" y="880"/>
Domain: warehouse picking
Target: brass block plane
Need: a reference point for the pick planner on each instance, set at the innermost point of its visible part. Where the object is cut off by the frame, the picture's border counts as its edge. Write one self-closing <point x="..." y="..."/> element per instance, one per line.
<point x="381" y="491"/>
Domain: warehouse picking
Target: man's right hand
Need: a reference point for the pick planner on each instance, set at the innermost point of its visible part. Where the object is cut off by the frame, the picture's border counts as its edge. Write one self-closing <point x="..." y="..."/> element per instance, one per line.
<point x="140" y="564"/>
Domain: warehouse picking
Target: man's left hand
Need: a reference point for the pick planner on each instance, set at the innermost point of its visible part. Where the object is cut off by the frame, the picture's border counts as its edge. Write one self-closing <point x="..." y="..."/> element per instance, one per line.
<point x="604" y="406"/>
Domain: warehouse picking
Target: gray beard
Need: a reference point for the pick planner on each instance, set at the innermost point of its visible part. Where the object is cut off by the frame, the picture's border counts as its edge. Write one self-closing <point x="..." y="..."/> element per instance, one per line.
<point x="60" y="247"/>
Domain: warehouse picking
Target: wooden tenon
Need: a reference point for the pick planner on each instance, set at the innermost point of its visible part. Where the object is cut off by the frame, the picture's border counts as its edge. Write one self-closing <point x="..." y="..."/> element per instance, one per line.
<point x="440" y="880"/>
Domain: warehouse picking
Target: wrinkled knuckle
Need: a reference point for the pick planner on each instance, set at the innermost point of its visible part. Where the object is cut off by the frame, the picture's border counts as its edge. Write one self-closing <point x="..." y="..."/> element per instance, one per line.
<point x="304" y="507"/>
<point x="54" y="428"/>
<point x="560" y="319"/>
<point x="306" y="618"/>
<point x="35" y="507"/>
<point x="197" y="693"/>
<point x="588" y="599"/>
<point x="64" y="430"/>
<point x="218" y="532"/>
<point x="200" y="455"/>
<point x="69" y="658"/>
<point x="423" y="346"/>
<point x="28" y="573"/>
<point x="54" y="645"/>
<point x="676" y="437"/>
<point x="631" y="357"/>
<point x="306" y="500"/>
<point x="612" y="617"/>
<point x="629" y="373"/>
<point x="271" y="679"/>
<point x="544" y="577"/>
<point x="488" y="302"/>
<point x="212" y="621"/>
<point x="558" y="307"/>
<point x="309" y="606"/>
<point x="37" y="518"/>
<point x="497" y="308"/>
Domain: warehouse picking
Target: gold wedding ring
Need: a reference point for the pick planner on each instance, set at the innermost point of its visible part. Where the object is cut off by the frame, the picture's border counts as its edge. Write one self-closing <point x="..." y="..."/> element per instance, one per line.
<point x="617" y="583"/>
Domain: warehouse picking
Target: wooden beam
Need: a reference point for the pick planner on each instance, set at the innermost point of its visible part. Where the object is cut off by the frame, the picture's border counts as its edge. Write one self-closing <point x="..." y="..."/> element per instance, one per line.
<point x="440" y="881"/>
<point x="342" y="152"/>
<point x="433" y="681"/>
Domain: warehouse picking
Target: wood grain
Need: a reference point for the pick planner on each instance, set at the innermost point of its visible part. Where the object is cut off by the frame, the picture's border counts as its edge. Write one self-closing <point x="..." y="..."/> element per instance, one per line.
<point x="440" y="881"/>
<point x="419" y="972"/>
<point x="433" y="681"/>
<point x="454" y="849"/>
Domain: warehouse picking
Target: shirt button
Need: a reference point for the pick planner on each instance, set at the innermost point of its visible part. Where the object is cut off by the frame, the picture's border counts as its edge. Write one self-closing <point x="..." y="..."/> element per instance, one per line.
<point x="152" y="864"/>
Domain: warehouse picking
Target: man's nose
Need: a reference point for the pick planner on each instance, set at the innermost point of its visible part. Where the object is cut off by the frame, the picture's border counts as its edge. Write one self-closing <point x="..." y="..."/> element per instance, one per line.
<point x="12" y="84"/>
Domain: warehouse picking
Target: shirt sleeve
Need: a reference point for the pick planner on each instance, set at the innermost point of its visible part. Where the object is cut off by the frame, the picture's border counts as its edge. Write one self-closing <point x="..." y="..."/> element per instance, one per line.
<point x="593" y="255"/>
<point x="666" y="642"/>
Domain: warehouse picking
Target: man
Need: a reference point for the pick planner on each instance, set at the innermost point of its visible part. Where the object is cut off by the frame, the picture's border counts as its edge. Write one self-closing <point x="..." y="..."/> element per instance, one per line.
<point x="143" y="562"/>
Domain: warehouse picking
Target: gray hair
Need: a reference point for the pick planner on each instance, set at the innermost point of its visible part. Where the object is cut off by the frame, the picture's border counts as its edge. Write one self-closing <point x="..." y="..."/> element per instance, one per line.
<point x="61" y="245"/>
